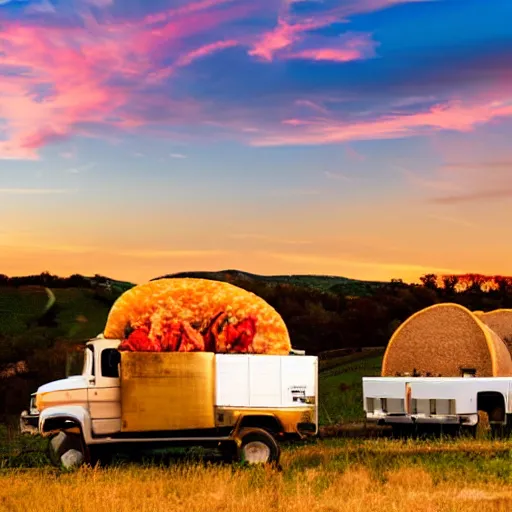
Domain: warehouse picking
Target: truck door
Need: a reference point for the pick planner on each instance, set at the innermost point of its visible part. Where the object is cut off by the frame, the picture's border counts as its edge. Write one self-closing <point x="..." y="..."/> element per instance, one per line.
<point x="103" y="393"/>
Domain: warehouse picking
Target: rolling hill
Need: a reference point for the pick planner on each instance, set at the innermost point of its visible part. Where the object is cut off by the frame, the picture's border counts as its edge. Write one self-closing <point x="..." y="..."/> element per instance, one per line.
<point x="343" y="285"/>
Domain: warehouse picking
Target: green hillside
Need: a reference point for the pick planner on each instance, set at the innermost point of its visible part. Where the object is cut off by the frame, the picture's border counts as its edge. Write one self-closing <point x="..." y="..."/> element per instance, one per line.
<point x="19" y="306"/>
<point x="343" y="285"/>
<point x="81" y="313"/>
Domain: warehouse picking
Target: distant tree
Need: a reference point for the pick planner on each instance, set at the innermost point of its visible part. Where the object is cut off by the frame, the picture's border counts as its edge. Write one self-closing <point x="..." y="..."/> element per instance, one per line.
<point x="450" y="283"/>
<point x="503" y="287"/>
<point x="77" y="281"/>
<point x="429" y="281"/>
<point x="423" y="297"/>
<point x="475" y="282"/>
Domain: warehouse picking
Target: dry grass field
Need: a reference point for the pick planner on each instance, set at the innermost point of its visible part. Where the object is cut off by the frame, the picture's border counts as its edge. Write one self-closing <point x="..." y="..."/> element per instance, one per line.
<point x="343" y="475"/>
<point x="195" y="489"/>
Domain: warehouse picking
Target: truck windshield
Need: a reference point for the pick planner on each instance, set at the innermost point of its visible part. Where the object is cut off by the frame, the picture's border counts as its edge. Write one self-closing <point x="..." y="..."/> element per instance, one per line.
<point x="76" y="363"/>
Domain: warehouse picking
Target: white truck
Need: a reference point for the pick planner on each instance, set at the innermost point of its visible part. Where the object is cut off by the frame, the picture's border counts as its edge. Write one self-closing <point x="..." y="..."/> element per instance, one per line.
<point x="409" y="401"/>
<point x="241" y="404"/>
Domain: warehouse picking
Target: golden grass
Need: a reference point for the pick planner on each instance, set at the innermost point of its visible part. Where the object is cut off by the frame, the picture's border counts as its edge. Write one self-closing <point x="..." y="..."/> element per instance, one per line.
<point x="362" y="476"/>
<point x="198" y="489"/>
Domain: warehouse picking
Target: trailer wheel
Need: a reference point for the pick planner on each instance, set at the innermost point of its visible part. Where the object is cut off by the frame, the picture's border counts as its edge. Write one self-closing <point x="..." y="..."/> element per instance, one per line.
<point x="257" y="446"/>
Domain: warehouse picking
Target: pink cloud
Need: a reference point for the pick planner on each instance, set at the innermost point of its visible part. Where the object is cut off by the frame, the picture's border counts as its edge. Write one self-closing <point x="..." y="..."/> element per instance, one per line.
<point x="296" y="122"/>
<point x="287" y="33"/>
<point x="312" y="105"/>
<point x="189" y="57"/>
<point x="83" y="70"/>
<point x="352" y="47"/>
<point x="187" y="9"/>
<point x="329" y="54"/>
<point x="451" y="116"/>
<point x="105" y="75"/>
<point x="283" y="36"/>
<point x="205" y="50"/>
<point x="77" y="93"/>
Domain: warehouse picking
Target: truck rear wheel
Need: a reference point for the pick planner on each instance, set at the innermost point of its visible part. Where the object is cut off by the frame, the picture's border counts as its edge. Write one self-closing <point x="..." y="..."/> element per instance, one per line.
<point x="257" y="446"/>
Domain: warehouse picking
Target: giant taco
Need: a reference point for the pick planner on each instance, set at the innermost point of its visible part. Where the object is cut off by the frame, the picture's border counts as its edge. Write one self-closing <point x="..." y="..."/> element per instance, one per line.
<point x="196" y="315"/>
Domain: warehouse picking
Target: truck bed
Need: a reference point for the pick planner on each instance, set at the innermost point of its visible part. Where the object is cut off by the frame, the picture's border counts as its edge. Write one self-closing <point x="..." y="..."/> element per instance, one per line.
<point x="264" y="380"/>
<point x="176" y="391"/>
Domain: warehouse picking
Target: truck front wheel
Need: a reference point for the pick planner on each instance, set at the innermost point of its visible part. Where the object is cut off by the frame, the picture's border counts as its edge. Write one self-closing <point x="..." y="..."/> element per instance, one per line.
<point x="66" y="450"/>
<point x="257" y="446"/>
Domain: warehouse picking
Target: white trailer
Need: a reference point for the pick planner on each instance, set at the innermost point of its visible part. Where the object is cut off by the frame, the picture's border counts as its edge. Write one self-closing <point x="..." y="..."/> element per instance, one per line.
<point x="399" y="401"/>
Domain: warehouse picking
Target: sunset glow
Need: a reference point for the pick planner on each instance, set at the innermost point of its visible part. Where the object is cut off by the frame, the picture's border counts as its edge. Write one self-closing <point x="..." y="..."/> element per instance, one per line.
<point x="363" y="138"/>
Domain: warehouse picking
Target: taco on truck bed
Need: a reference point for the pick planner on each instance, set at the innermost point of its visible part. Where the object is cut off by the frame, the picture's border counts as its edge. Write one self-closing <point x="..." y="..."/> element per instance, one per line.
<point x="196" y="315"/>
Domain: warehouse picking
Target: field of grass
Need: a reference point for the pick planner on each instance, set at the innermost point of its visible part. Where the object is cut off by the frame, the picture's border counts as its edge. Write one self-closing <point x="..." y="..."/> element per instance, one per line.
<point x="337" y="476"/>
<point x="435" y="475"/>
<point x="325" y="475"/>
<point x="340" y="390"/>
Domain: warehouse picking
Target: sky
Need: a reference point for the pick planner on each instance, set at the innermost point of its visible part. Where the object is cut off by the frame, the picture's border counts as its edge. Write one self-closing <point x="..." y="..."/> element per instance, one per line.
<point x="361" y="138"/>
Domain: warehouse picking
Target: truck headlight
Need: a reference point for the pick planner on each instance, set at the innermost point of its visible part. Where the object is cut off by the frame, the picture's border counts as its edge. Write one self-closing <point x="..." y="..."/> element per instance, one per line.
<point x="33" y="407"/>
<point x="38" y="402"/>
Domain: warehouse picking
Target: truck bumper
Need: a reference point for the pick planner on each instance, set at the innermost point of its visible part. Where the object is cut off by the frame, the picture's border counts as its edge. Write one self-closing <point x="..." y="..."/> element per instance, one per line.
<point x="29" y="423"/>
<point x="386" y="419"/>
<point x="403" y="419"/>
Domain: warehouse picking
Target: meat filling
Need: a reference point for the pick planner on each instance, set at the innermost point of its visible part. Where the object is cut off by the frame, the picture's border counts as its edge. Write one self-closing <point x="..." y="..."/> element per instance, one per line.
<point x="219" y="335"/>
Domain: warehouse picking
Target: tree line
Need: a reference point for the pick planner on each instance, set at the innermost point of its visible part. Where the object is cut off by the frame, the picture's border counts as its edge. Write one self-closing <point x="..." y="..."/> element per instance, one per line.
<point x="317" y="320"/>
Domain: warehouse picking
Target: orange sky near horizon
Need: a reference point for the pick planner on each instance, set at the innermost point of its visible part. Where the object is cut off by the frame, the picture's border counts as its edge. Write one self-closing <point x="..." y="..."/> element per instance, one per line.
<point x="404" y="240"/>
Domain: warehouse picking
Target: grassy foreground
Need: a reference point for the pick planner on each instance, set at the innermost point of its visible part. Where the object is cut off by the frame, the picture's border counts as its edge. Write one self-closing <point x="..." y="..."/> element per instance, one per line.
<point x="368" y="476"/>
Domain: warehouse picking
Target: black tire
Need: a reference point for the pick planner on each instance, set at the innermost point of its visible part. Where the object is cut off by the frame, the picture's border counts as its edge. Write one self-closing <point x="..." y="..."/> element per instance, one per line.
<point x="258" y="447"/>
<point x="69" y="442"/>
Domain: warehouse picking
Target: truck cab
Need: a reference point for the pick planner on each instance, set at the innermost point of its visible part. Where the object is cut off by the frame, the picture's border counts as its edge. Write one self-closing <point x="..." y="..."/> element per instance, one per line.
<point x="242" y="404"/>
